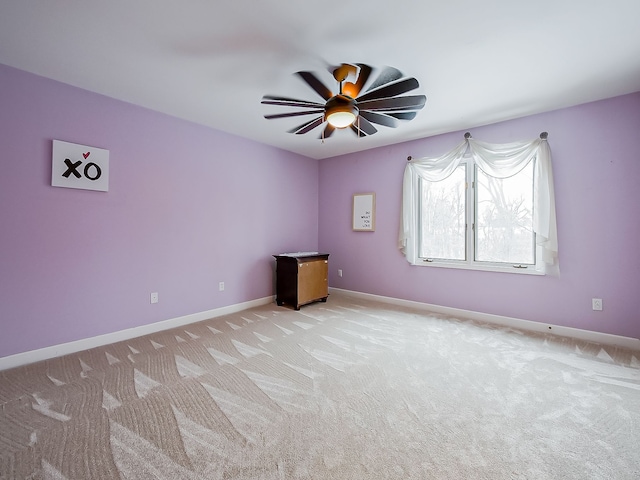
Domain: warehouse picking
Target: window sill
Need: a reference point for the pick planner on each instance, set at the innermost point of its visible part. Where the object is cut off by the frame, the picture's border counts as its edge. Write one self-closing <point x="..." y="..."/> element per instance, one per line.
<point x="479" y="267"/>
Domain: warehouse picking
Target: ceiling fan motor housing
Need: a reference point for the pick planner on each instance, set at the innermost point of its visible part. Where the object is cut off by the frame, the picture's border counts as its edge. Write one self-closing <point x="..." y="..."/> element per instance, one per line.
<point x="341" y="110"/>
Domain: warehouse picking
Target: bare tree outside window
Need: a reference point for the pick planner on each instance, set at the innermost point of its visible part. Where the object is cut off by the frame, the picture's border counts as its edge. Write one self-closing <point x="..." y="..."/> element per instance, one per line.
<point x="504" y="218"/>
<point x="443" y="217"/>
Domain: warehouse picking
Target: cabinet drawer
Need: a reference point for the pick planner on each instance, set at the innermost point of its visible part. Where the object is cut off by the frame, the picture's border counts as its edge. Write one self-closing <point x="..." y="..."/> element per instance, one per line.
<point x="312" y="280"/>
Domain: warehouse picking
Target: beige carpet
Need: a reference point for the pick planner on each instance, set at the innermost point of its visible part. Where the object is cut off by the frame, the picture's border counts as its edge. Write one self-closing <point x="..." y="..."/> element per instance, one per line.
<point x="347" y="389"/>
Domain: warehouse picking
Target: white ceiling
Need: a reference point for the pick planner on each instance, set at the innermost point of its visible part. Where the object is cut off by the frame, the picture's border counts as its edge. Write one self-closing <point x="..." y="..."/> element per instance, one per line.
<point x="478" y="62"/>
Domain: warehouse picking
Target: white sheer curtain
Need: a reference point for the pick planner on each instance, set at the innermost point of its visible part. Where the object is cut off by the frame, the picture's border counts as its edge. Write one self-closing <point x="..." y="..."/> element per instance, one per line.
<point x="497" y="160"/>
<point x="432" y="169"/>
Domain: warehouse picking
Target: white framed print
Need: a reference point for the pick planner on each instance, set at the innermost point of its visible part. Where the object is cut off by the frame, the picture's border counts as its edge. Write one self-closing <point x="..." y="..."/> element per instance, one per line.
<point x="364" y="212"/>
<point x="79" y="166"/>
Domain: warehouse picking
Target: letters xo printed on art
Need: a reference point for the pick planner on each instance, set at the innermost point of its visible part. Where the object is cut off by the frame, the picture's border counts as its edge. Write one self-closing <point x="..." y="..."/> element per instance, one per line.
<point x="80" y="166"/>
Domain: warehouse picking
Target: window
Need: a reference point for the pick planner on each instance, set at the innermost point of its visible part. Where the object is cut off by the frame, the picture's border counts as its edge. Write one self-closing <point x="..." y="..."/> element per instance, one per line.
<point x="477" y="219"/>
<point x="482" y="206"/>
<point x="504" y="218"/>
<point x="443" y="217"/>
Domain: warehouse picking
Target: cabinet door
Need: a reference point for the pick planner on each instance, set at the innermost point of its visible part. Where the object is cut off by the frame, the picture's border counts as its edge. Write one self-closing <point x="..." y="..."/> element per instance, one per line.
<point x="312" y="280"/>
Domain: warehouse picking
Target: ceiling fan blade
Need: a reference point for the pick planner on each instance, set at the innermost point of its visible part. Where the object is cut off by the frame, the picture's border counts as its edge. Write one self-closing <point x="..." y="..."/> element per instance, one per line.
<point x="292" y="114"/>
<point x="388" y="75"/>
<point x="328" y="131"/>
<point x="411" y="102"/>
<point x="391" y="89"/>
<point x="316" y="84"/>
<point x="363" y="127"/>
<point x="308" y="126"/>
<point x="403" y="115"/>
<point x="293" y="104"/>
<point x="289" y="102"/>
<point x="379" y="118"/>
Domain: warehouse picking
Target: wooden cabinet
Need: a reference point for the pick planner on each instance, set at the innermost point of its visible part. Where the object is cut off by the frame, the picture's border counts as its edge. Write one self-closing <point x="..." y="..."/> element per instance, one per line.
<point x="302" y="278"/>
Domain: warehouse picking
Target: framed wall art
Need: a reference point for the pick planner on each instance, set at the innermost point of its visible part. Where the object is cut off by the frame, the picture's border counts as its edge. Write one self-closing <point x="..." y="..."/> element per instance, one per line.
<point x="79" y="166"/>
<point x="364" y="212"/>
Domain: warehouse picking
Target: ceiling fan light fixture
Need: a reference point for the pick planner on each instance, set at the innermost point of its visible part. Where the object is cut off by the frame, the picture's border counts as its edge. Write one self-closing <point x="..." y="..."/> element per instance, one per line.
<point x="341" y="119"/>
<point x="341" y="111"/>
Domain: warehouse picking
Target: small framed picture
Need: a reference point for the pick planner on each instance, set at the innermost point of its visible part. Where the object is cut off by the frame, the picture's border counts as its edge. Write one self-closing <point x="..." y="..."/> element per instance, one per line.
<point x="79" y="166"/>
<point x="364" y="212"/>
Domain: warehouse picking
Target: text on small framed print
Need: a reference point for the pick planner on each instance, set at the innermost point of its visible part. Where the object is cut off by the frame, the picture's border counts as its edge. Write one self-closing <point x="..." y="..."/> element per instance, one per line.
<point x="364" y="212"/>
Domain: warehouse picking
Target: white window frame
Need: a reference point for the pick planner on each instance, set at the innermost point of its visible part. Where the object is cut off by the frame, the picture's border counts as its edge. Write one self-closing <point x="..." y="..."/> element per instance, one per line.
<point x="470" y="262"/>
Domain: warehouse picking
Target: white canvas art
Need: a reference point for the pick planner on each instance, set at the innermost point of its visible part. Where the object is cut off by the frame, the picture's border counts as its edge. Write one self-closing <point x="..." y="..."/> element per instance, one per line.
<point x="364" y="212"/>
<point x="79" y="166"/>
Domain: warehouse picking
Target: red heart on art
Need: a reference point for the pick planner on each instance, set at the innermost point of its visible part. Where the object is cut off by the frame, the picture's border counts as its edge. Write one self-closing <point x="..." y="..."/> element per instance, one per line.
<point x="85" y="155"/>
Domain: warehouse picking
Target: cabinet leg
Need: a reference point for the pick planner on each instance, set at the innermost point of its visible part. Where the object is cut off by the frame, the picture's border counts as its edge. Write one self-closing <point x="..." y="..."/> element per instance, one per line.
<point x="323" y="300"/>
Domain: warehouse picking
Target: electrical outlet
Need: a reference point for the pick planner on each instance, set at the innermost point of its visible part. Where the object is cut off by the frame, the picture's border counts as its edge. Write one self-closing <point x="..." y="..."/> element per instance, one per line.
<point x="340" y="272"/>
<point x="221" y="286"/>
<point x="154" y="297"/>
<point x="596" y="303"/>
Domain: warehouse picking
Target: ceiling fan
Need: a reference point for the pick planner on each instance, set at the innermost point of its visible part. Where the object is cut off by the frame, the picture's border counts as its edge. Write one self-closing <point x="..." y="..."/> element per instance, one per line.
<point x="381" y="103"/>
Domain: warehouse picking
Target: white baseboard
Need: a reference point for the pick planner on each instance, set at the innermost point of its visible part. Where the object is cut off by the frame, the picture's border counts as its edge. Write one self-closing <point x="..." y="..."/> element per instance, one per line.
<point x="54" y="351"/>
<point x="517" y="323"/>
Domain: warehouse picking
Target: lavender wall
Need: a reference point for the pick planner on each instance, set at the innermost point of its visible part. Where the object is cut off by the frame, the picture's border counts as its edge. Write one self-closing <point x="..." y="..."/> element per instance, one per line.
<point x="187" y="207"/>
<point x="597" y="168"/>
